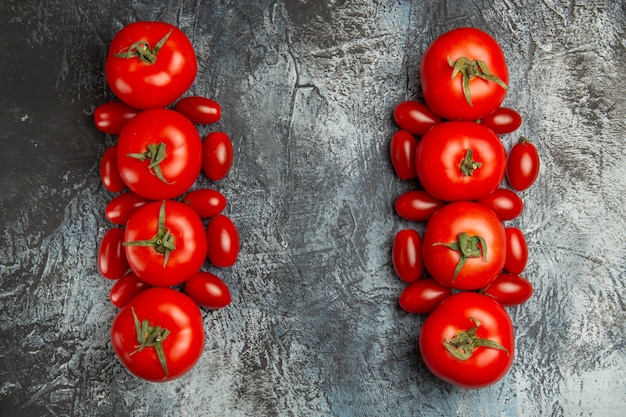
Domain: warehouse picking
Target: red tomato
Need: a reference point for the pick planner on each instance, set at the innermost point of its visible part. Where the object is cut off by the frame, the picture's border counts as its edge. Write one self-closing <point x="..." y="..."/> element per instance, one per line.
<point x="150" y="64"/>
<point x="112" y="262"/>
<point x="464" y="75"/>
<point x="199" y="110"/>
<point x="417" y="205"/>
<point x="468" y="340"/>
<point x="159" y="154"/>
<point x="522" y="165"/>
<point x="159" y="335"/>
<point x="208" y="290"/>
<point x="206" y="202"/>
<point x="516" y="251"/>
<point x="119" y="209"/>
<point x="109" y="174"/>
<point x="165" y="242"/>
<point x="112" y="116"/>
<point x="460" y="161"/>
<point x="505" y="203"/>
<point x="217" y="155"/>
<point x="423" y="296"/>
<point x="464" y="246"/>
<point x="402" y="151"/>
<point x="415" y="117"/>
<point x="406" y="255"/>
<point x="223" y="241"/>
<point x="126" y="288"/>
<point x="502" y="120"/>
<point x="509" y="289"/>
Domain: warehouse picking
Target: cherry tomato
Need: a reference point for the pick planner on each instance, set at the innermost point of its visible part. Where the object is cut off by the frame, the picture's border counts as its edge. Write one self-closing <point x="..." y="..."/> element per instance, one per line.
<point x="208" y="290"/>
<point x="126" y="288"/>
<point x="112" y="116"/>
<point x="402" y="151"/>
<point x="112" y="262"/>
<point x="109" y="173"/>
<point x="415" y="117"/>
<point x="217" y="155"/>
<point x="505" y="203"/>
<point x="522" y="165"/>
<point x="509" y="289"/>
<point x="406" y="255"/>
<point x="159" y="335"/>
<point x="502" y="120"/>
<point x="199" y="110"/>
<point x="468" y="340"/>
<point x="417" y="205"/>
<point x="150" y="64"/>
<point x="223" y="241"/>
<point x="206" y="202"/>
<point x="423" y="296"/>
<point x="119" y="209"/>
<point x="516" y="251"/>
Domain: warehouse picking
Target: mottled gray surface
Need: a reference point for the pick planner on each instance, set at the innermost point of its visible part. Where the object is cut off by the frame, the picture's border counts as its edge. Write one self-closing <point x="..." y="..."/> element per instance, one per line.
<point x="308" y="89"/>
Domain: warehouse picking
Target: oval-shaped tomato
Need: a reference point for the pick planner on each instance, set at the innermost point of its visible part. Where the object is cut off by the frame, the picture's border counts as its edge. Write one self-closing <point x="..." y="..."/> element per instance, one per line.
<point x="406" y="255"/>
<point x="464" y="246"/>
<point x="223" y="241"/>
<point x="208" y="290"/>
<point x="516" y="250"/>
<point x="402" y="152"/>
<point x="206" y="202"/>
<point x="522" y="165"/>
<point x="119" y="209"/>
<point x="417" y="205"/>
<point x="423" y="296"/>
<point x="112" y="116"/>
<point x="159" y="154"/>
<point x="460" y="161"/>
<point x="109" y="173"/>
<point x="126" y="288"/>
<point x="509" y="289"/>
<point x="468" y="340"/>
<point x="464" y="75"/>
<point x="150" y="64"/>
<point x="502" y="120"/>
<point x="505" y="203"/>
<point x="414" y="117"/>
<point x="217" y="155"/>
<point x="200" y="110"/>
<point x="165" y="242"/>
<point x="159" y="335"/>
<point x="112" y="262"/>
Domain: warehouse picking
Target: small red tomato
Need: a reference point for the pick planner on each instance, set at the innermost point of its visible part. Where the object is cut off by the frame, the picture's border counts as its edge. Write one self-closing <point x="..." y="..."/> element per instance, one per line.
<point x="200" y="110"/>
<point x="417" y="205"/>
<point x="112" y="262"/>
<point x="415" y="117"/>
<point x="206" y="202"/>
<point x="109" y="174"/>
<point x="516" y="250"/>
<point x="217" y="155"/>
<point x="223" y="241"/>
<point x="208" y="290"/>
<point x="502" y="121"/>
<point x="509" y="289"/>
<point x="423" y="296"/>
<point x="126" y="288"/>
<point x="406" y="255"/>
<point x="112" y="116"/>
<point x="402" y="151"/>
<point x="522" y="165"/>
<point x="505" y="203"/>
<point x="122" y="206"/>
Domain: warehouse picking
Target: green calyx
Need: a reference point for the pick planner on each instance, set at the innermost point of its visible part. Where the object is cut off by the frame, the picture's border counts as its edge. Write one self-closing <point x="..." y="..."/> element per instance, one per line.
<point x="469" y="247"/>
<point x="468" y="165"/>
<point x="164" y="242"/>
<point x="465" y="342"/>
<point x="156" y="154"/>
<point x="469" y="68"/>
<point x="142" y="50"/>
<point x="150" y="336"/>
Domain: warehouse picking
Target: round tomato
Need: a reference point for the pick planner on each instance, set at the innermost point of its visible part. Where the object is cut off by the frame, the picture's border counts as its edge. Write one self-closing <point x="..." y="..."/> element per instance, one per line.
<point x="414" y="117"/>
<point x="402" y="152"/>
<point x="417" y="205"/>
<point x="223" y="241"/>
<point x="505" y="203"/>
<point x="159" y="154"/>
<point x="206" y="202"/>
<point x="112" y="116"/>
<point x="150" y="64"/>
<point x="460" y="161"/>
<point x="200" y="110"/>
<point x="464" y="75"/>
<point x="159" y="335"/>
<point x="502" y="120"/>
<point x="126" y="288"/>
<point x="112" y="262"/>
<point x="464" y="245"/>
<point x="423" y="296"/>
<point x="217" y="155"/>
<point x="406" y="255"/>
<point x="468" y="340"/>
<point x="109" y="174"/>
<point x="516" y="250"/>
<point x="522" y="165"/>
<point x="119" y="209"/>
<point x="509" y="289"/>
<point x="208" y="290"/>
<point x="165" y="242"/>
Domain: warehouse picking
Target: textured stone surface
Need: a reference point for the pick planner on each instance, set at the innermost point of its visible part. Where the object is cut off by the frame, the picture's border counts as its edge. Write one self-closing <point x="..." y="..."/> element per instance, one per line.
<point x="307" y="90"/>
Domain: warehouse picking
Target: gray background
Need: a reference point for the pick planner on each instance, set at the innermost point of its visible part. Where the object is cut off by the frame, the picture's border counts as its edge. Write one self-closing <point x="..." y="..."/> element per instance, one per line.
<point x="307" y="90"/>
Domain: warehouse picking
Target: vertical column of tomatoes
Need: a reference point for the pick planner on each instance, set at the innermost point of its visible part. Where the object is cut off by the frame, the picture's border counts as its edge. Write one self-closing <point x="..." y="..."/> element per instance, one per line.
<point x="164" y="226"/>
<point x="466" y="266"/>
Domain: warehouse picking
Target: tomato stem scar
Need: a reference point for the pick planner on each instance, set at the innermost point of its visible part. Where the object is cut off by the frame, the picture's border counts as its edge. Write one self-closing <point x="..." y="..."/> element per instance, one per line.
<point x="469" y="247"/>
<point x="141" y="49"/>
<point x="470" y="68"/>
<point x="163" y="242"/>
<point x="150" y="336"/>
<point x="465" y="342"/>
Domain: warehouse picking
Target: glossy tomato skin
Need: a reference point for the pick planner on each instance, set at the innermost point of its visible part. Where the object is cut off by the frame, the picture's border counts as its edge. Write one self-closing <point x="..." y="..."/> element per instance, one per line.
<point x="505" y="203"/>
<point x="522" y="165"/>
<point x="190" y="243"/>
<point x="223" y="241"/>
<point x="417" y="205"/>
<point x="146" y="85"/>
<point x="206" y="202"/>
<point x="119" y="209"/>
<point x="406" y="255"/>
<point x="509" y="289"/>
<point x="208" y="290"/>
<point x="200" y="110"/>
<point x="109" y="172"/>
<point x="445" y="228"/>
<point x="402" y="152"/>
<point x="112" y="262"/>
<point x="443" y="94"/>
<point x="217" y="155"/>
<point x="182" y="161"/>
<point x="516" y="251"/>
<point x="126" y="288"/>
<point x="415" y="117"/>
<point x="442" y="150"/>
<point x="110" y="117"/>
<point x="502" y="120"/>
<point x="457" y="313"/>
<point x="423" y="296"/>
<point x="171" y="310"/>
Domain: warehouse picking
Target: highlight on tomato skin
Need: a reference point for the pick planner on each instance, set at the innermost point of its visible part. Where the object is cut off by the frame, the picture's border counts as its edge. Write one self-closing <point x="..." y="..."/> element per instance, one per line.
<point x="199" y="110"/>
<point x="502" y="120"/>
<point x="223" y="241"/>
<point x="208" y="290"/>
<point x="111" y="117"/>
<point x="217" y="155"/>
<point x="402" y="152"/>
<point x="505" y="203"/>
<point x="423" y="296"/>
<point x="509" y="289"/>
<point x="112" y="261"/>
<point x="406" y="255"/>
<point x="417" y="205"/>
<point x="415" y="117"/>
<point x="522" y="165"/>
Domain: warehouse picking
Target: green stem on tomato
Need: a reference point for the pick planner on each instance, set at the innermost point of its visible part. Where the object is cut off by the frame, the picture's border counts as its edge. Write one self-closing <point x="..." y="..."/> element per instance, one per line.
<point x="468" y="247"/>
<point x="141" y="49"/>
<point x="163" y="242"/>
<point x="465" y="342"/>
<point x="468" y="165"/>
<point x="156" y="154"/>
<point x="150" y="336"/>
<point x="470" y="68"/>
